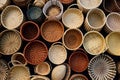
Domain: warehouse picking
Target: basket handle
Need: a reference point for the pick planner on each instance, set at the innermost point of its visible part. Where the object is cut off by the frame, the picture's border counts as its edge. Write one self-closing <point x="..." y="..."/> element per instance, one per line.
<point x="56" y="43"/>
<point x="73" y="5"/>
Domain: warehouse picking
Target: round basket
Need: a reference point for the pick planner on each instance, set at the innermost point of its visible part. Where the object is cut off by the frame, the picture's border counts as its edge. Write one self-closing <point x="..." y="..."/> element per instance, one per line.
<point x="113" y="43"/>
<point x="29" y="31"/>
<point x="38" y="77"/>
<point x="67" y="2"/>
<point x="95" y="20"/>
<point x="12" y="17"/>
<point x="78" y="60"/>
<point x="94" y="43"/>
<point x="35" y="52"/>
<point x="78" y="77"/>
<point x="3" y="4"/>
<point x="10" y="42"/>
<point x="57" y="53"/>
<point x="102" y="67"/>
<point x="39" y="3"/>
<point x="72" y="39"/>
<point x="52" y="30"/>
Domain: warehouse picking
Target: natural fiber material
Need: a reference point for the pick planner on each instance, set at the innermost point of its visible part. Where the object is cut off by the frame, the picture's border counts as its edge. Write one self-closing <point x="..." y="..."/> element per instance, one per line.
<point x="118" y="67"/>
<point x="67" y="1"/>
<point x="38" y="77"/>
<point x="3" y="4"/>
<point x="78" y="77"/>
<point x="102" y="67"/>
<point x="10" y="42"/>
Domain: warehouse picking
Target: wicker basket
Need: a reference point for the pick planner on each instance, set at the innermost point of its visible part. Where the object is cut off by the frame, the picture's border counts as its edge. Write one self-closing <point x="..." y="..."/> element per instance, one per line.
<point x="10" y="42"/>
<point x="52" y="30"/>
<point x="35" y="52"/>
<point x="78" y="60"/>
<point x="3" y="4"/>
<point x="38" y="77"/>
<point x="118" y="67"/>
<point x="67" y="2"/>
<point x="78" y="77"/>
<point x="95" y="20"/>
<point x="94" y="43"/>
<point x="57" y="53"/>
<point x="102" y="67"/>
<point x="113" y="43"/>
<point x="72" y="39"/>
<point x="12" y="17"/>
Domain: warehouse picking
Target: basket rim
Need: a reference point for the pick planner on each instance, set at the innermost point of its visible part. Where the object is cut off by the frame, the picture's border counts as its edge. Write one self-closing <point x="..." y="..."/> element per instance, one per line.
<point x="81" y="75"/>
<point x="39" y="76"/>
<point x="66" y="2"/>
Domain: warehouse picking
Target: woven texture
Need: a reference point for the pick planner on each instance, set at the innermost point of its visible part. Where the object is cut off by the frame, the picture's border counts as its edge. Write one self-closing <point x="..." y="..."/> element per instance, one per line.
<point x="78" y="77"/>
<point x="38" y="77"/>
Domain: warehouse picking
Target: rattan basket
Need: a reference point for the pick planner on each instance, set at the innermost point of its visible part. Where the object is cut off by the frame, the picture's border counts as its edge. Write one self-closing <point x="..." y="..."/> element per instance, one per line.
<point x="10" y="42"/>
<point x="38" y="77"/>
<point x="94" y="43"/>
<point x="4" y="3"/>
<point x="78" y="77"/>
<point x="12" y="17"/>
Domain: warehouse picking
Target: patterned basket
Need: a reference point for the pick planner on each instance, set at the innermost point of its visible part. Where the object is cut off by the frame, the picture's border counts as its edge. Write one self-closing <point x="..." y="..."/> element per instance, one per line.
<point x="38" y="77"/>
<point x="3" y="4"/>
<point x="78" y="77"/>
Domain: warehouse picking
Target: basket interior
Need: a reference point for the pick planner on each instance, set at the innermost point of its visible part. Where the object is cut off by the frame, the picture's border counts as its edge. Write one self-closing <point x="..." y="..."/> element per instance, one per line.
<point x="78" y="77"/>
<point x="2" y="3"/>
<point x="66" y="1"/>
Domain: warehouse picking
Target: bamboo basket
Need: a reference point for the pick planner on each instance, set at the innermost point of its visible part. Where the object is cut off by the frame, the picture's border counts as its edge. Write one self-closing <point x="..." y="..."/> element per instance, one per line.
<point x="38" y="77"/>
<point x="10" y="42"/>
<point x="12" y="17"/>
<point x="4" y="3"/>
<point x="78" y="77"/>
<point x="94" y="43"/>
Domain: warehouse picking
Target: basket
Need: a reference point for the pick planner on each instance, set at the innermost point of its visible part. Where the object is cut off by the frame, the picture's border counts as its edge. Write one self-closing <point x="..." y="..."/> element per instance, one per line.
<point x="72" y="39"/>
<point x="102" y="67"/>
<point x="29" y="31"/>
<point x="118" y="67"/>
<point x="78" y="60"/>
<point x="35" y="52"/>
<point x="95" y="20"/>
<point x="78" y="77"/>
<point x="38" y="77"/>
<point x="39" y="3"/>
<point x="52" y="30"/>
<point x="10" y="42"/>
<point x="113" y="43"/>
<point x="94" y="43"/>
<point x="67" y="2"/>
<point x="4" y="3"/>
<point x="57" y="53"/>
<point x="112" y="22"/>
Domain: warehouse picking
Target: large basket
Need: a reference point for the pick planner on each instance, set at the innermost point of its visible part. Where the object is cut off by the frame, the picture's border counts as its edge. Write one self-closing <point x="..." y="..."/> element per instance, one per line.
<point x="78" y="77"/>
<point x="52" y="30"/>
<point x="12" y="17"/>
<point x="10" y="42"/>
<point x="3" y="4"/>
<point x="94" y="43"/>
<point x="38" y="77"/>
<point x="35" y="52"/>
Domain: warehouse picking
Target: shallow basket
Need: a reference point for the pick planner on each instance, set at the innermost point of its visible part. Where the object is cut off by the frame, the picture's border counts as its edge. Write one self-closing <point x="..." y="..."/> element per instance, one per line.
<point x="12" y="17"/>
<point x="10" y="42"/>
<point x="38" y="77"/>
<point x="3" y="4"/>
<point x="94" y="43"/>
<point x="102" y="67"/>
<point x="78" y="77"/>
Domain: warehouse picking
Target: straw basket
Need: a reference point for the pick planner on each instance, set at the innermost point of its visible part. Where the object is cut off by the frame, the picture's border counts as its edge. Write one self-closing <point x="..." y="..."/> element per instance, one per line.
<point x="67" y="2"/>
<point x="10" y="42"/>
<point x="95" y="20"/>
<point x="102" y="67"/>
<point x="113" y="43"/>
<point x="52" y="30"/>
<point x="38" y="77"/>
<point x="3" y="4"/>
<point x="112" y="22"/>
<point x="57" y="53"/>
<point x="12" y="17"/>
<point x="78" y="77"/>
<point x="78" y="60"/>
<point x="35" y="52"/>
<point x="72" y="39"/>
<point x="94" y="43"/>
<point x="39" y="3"/>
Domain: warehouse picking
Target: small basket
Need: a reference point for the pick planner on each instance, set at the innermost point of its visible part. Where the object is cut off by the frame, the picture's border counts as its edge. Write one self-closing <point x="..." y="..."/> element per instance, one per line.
<point x="67" y="2"/>
<point x="102" y="67"/>
<point x="52" y="30"/>
<point x="78" y="77"/>
<point x="72" y="39"/>
<point x="94" y="43"/>
<point x="38" y="77"/>
<point x="10" y="42"/>
<point x="4" y="3"/>
<point x="35" y="52"/>
<point x="12" y="17"/>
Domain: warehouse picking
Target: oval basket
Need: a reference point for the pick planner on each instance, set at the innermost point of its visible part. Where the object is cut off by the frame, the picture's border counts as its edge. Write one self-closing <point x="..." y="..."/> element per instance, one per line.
<point x="4" y="3"/>
<point x="78" y="77"/>
<point x="38" y="77"/>
<point x="12" y="17"/>
<point x="10" y="42"/>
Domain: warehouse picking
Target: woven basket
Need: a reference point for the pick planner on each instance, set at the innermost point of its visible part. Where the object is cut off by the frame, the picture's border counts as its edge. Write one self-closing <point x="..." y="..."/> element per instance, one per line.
<point x="35" y="52"/>
<point x="78" y="60"/>
<point x="52" y="30"/>
<point x="12" y="17"/>
<point x="95" y="20"/>
<point x="78" y="77"/>
<point x="112" y="22"/>
<point x="94" y="43"/>
<point x="29" y="31"/>
<point x="3" y="4"/>
<point x="39" y="3"/>
<point x="102" y="67"/>
<point x="72" y="39"/>
<point x="38" y="77"/>
<point x="67" y="2"/>
<point x="10" y="42"/>
<point x="113" y="43"/>
<point x="57" y="53"/>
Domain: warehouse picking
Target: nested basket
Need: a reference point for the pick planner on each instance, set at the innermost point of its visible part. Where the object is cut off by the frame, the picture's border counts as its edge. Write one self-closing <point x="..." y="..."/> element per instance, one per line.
<point x="94" y="43"/>
<point x="38" y="77"/>
<point x="95" y="20"/>
<point x="113" y="43"/>
<point x="35" y="52"/>
<point x="72" y="39"/>
<point x="3" y="4"/>
<point x="12" y="17"/>
<point x="78" y="77"/>
<point x="52" y="30"/>
<point x="10" y="42"/>
<point x="57" y="53"/>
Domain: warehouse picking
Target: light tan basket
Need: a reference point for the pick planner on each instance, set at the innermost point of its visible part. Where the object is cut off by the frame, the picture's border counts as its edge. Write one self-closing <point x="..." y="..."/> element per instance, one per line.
<point x="94" y="43"/>
<point x="95" y="20"/>
<point x="113" y="43"/>
<point x="10" y="42"/>
<point x="39" y="3"/>
<point x="12" y="17"/>
<point x="38" y="77"/>
<point x="3" y="4"/>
